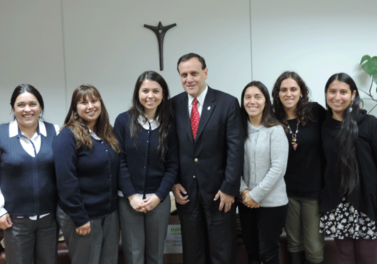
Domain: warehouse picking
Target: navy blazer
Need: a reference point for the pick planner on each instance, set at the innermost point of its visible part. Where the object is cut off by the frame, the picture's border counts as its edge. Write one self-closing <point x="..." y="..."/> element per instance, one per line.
<point x="215" y="160"/>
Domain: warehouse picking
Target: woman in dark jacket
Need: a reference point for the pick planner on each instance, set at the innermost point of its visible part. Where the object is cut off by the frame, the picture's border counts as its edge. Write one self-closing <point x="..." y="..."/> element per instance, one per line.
<point x="149" y="166"/>
<point x="87" y="163"/>
<point x="303" y="120"/>
<point x="349" y="198"/>
<point x="28" y="188"/>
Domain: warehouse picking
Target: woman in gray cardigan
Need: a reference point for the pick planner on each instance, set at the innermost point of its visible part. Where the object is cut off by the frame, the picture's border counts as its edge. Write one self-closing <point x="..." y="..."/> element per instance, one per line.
<point x="264" y="198"/>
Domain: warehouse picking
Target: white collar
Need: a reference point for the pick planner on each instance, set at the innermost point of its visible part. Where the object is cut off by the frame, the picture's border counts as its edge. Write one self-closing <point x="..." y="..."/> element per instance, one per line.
<point x="13" y="128"/>
<point x="94" y="135"/>
<point x="252" y="129"/>
<point x="200" y="98"/>
<point x="145" y="124"/>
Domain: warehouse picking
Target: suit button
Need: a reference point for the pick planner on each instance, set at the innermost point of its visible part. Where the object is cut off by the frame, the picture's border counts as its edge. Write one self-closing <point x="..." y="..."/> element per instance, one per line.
<point x="194" y="177"/>
<point x="196" y="159"/>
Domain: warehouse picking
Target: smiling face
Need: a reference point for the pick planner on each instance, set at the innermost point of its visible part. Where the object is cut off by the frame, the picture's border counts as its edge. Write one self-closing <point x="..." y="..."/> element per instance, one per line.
<point x="89" y="109"/>
<point x="339" y="97"/>
<point x="150" y="96"/>
<point x="254" y="103"/>
<point x="289" y="94"/>
<point x="193" y="77"/>
<point x="27" y="109"/>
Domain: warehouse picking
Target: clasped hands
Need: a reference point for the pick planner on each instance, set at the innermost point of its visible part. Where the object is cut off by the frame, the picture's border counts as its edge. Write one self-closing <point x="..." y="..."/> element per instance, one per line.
<point x="247" y="200"/>
<point x="144" y="205"/>
<point x="181" y="197"/>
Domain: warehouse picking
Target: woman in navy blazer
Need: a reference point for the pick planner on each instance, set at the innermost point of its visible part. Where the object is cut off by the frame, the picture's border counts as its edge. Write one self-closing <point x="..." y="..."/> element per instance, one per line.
<point x="149" y="165"/>
<point x="87" y="163"/>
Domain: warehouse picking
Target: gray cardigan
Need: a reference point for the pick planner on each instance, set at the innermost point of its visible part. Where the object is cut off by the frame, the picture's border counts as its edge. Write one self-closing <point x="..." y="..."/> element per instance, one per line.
<point x="265" y="162"/>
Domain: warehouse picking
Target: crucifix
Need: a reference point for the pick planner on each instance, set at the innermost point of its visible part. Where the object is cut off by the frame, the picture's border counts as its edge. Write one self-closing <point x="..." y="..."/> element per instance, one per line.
<point x="160" y="32"/>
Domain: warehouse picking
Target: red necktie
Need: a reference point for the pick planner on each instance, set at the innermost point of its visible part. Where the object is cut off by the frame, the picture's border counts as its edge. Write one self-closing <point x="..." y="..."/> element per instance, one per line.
<point x="194" y="117"/>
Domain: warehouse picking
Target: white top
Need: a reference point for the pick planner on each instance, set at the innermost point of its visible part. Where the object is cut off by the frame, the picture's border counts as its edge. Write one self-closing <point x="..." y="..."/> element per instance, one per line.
<point x="28" y="145"/>
<point x="265" y="163"/>
<point x="200" y="103"/>
<point x="145" y="124"/>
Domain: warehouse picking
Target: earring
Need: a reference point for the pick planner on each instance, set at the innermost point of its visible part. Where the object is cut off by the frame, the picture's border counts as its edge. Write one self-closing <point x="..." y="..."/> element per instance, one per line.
<point x="350" y="107"/>
<point x="301" y="96"/>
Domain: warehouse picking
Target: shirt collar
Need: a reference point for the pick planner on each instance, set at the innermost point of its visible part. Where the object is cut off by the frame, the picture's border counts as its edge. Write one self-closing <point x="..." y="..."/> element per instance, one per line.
<point x="253" y="129"/>
<point x="200" y="98"/>
<point x="94" y="135"/>
<point x="145" y="124"/>
<point x="14" y="130"/>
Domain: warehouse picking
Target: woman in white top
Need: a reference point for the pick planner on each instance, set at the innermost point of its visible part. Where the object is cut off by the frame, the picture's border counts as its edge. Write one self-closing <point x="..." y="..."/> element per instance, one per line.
<point x="264" y="199"/>
<point x="27" y="181"/>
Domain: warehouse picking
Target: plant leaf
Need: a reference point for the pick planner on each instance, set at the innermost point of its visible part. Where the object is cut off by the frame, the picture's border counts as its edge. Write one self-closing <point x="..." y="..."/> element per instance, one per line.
<point x="369" y="65"/>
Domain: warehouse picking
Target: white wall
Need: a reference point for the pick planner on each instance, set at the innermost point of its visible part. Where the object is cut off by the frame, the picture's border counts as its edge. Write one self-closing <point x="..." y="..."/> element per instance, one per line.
<point x="31" y="51"/>
<point x="314" y="38"/>
<point x="57" y="45"/>
<point x="106" y="44"/>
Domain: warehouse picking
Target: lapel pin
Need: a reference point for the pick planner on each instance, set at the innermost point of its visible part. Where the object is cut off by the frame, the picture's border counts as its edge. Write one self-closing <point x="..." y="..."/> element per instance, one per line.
<point x="209" y="108"/>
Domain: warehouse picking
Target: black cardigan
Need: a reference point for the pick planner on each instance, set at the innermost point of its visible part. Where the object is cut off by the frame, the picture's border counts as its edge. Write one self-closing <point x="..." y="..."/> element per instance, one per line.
<point x="86" y="179"/>
<point x="305" y="165"/>
<point x="364" y="197"/>
<point x="142" y="170"/>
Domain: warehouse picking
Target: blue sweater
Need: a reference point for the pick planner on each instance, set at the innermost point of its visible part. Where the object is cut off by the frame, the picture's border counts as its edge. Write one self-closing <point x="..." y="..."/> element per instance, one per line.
<point x="141" y="168"/>
<point x="86" y="179"/>
<point x="27" y="183"/>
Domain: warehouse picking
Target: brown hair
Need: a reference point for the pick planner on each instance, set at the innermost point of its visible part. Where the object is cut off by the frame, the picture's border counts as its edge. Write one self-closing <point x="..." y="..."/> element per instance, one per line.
<point x="303" y="106"/>
<point x="164" y="112"/>
<point x="268" y="116"/>
<point x="73" y="121"/>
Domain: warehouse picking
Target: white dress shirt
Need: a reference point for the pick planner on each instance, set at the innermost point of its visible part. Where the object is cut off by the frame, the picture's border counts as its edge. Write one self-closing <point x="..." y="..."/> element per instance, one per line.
<point x="32" y="147"/>
<point x="200" y="98"/>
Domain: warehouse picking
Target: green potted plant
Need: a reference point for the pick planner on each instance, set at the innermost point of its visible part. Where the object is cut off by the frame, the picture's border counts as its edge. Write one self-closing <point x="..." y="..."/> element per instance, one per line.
<point x="369" y="65"/>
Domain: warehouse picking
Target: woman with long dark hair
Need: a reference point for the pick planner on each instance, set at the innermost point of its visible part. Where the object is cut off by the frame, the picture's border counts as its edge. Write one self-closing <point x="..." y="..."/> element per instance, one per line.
<point x="264" y="199"/>
<point x="303" y="177"/>
<point x="28" y="188"/>
<point x="349" y="198"/>
<point x="149" y="166"/>
<point x="87" y="163"/>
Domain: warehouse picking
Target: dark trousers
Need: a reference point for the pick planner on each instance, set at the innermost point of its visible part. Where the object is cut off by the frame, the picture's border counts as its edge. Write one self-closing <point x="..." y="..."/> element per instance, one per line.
<point x="143" y="235"/>
<point x="353" y="251"/>
<point x="100" y="246"/>
<point x="208" y="236"/>
<point x="32" y="241"/>
<point x="261" y="230"/>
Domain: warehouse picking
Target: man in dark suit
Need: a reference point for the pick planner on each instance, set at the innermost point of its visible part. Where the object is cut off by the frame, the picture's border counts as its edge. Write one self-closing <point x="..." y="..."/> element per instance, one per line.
<point x="211" y="152"/>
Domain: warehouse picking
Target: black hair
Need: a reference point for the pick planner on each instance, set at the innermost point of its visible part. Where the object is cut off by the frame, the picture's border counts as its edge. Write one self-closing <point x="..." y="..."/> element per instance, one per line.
<point x="164" y="112"/>
<point x="189" y="56"/>
<point x="345" y="144"/>
<point x="268" y="117"/>
<point x="303" y="106"/>
<point x="26" y="88"/>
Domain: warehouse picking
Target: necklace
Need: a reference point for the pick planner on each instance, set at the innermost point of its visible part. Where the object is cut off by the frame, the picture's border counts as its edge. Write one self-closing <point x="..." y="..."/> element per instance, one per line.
<point x="294" y="135"/>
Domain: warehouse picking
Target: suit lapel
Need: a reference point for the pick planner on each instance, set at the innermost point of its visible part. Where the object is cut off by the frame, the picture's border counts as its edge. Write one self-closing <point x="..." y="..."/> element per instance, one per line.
<point x="207" y="110"/>
<point x="184" y="115"/>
